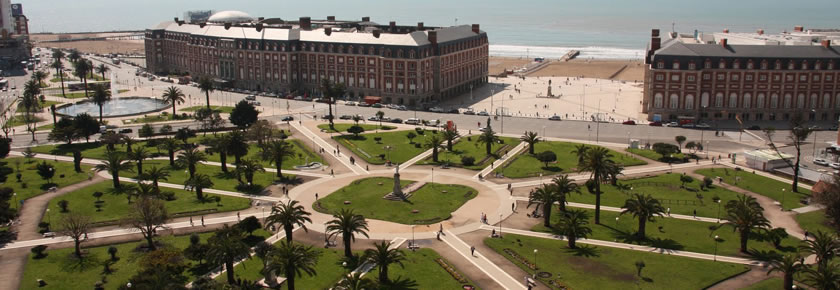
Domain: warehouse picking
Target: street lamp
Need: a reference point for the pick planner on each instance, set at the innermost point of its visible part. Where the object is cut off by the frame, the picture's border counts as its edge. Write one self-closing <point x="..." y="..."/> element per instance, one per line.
<point x="782" y="205"/>
<point x="16" y="203"/>
<point x="500" y="225"/>
<point x="535" y="263"/>
<point x="716" y="245"/>
<point x="49" y="216"/>
<point x="718" y="213"/>
<point x="128" y="285"/>
<point x="411" y="246"/>
<point x="344" y="265"/>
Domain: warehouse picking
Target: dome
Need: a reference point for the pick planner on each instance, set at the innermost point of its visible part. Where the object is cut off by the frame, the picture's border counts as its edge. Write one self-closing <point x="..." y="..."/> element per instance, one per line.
<point x="230" y="16"/>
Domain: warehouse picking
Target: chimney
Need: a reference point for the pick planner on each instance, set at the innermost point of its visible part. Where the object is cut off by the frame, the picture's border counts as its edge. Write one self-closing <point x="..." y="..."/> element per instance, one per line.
<point x="826" y="43"/>
<point x="227" y="25"/>
<point x="259" y="27"/>
<point x="331" y="18"/>
<point x="723" y="42"/>
<point x="201" y="25"/>
<point x="176" y="19"/>
<point x="420" y="26"/>
<point x="327" y="31"/>
<point x="476" y="29"/>
<point x="305" y="23"/>
<point x="655" y="43"/>
<point x="376" y="32"/>
<point x="392" y="26"/>
<point x="366" y="19"/>
<point x="798" y="28"/>
<point x="760" y="32"/>
<point x="726" y="30"/>
<point x="433" y="37"/>
<point x="654" y="33"/>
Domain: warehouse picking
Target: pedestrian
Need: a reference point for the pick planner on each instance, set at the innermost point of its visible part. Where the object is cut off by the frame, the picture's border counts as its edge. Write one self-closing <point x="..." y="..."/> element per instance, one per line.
<point x="316" y="196"/>
<point x="806" y="235"/>
<point x="472" y="251"/>
<point x="669" y="211"/>
<point x="366" y="167"/>
<point x="695" y="213"/>
<point x="512" y="206"/>
<point x="202" y="221"/>
<point x="332" y="173"/>
<point x="441" y="228"/>
<point x="191" y="221"/>
<point x="238" y="217"/>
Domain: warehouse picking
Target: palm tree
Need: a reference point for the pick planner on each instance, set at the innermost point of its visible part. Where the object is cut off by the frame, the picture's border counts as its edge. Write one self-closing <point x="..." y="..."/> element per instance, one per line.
<point x="74" y="56"/>
<point x="788" y="265"/>
<point x="643" y="207"/>
<point x="170" y="145"/>
<point x="433" y="142"/>
<point x="249" y="167"/>
<point x="238" y="145"/>
<point x="563" y="187"/>
<point x="39" y="76"/>
<point x="206" y="87"/>
<point x="597" y="161"/>
<point x="57" y="54"/>
<point x="155" y="174"/>
<point x="276" y="151"/>
<point x="189" y="158"/>
<point x="744" y="215"/>
<point x="225" y="247"/>
<point x="81" y="68"/>
<point x="288" y="215"/>
<point x="293" y="260"/>
<point x="383" y="255"/>
<point x="173" y="95"/>
<point x="114" y="162"/>
<point x="333" y="91"/>
<point x="488" y="138"/>
<point x="545" y="195"/>
<point x="128" y="141"/>
<point x="573" y="225"/>
<point x="199" y="182"/>
<point x="348" y="224"/>
<point x="140" y="154"/>
<point x="824" y="278"/>
<point x="824" y="246"/>
<point x="102" y="69"/>
<point x="100" y="96"/>
<point x="220" y="144"/>
<point x="355" y="281"/>
<point x="59" y="71"/>
<point x="580" y="152"/>
<point x="450" y="135"/>
<point x="531" y="138"/>
<point x="30" y="103"/>
<point x="143" y="190"/>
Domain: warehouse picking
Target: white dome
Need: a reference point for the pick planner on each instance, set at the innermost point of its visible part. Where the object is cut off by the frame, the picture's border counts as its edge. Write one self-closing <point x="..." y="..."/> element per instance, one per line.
<point x="230" y="16"/>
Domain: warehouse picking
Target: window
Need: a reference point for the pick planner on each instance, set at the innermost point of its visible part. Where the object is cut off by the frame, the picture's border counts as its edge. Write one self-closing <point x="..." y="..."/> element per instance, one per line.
<point x="708" y="64"/>
<point x="814" y="101"/>
<point x="764" y="64"/>
<point x="707" y="77"/>
<point x="733" y="100"/>
<point x="789" y="77"/>
<point x="800" y="101"/>
<point x="748" y="77"/>
<point x="657" y="100"/>
<point x="837" y="101"/>
<point x="750" y="65"/>
<point x="676" y="65"/>
<point x="674" y="102"/>
<point x="675" y="77"/>
<point x="660" y="77"/>
<point x="704" y="100"/>
<point x="721" y="76"/>
<point x="759" y="101"/>
<point x="829" y="78"/>
<point x="735" y="77"/>
<point x="816" y="78"/>
<point x="774" y="101"/>
<point x="762" y="78"/>
<point x="737" y="64"/>
<point x="692" y="66"/>
<point x="690" y="78"/>
<point x="826" y="101"/>
<point x="722" y="64"/>
<point x="689" y="102"/>
<point x="747" y="100"/>
<point x="719" y="100"/>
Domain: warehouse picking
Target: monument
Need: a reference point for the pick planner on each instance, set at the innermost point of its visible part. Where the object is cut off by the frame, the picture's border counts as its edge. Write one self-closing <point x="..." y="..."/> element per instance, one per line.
<point x="397" y="188"/>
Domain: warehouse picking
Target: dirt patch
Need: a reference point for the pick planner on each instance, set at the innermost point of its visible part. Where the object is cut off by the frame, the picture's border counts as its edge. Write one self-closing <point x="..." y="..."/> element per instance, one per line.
<point x="585" y="265"/>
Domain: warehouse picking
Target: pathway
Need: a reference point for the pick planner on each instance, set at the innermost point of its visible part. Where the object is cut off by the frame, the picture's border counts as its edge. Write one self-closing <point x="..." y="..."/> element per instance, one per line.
<point x="627" y="171"/>
<point x="343" y="158"/>
<point x="489" y="169"/>
<point x="617" y="209"/>
<point x="481" y="262"/>
<point x="34" y="208"/>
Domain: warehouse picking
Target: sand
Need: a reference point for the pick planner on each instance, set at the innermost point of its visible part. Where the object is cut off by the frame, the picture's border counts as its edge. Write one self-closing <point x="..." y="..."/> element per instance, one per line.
<point x="630" y="70"/>
<point x="135" y="47"/>
<point x="497" y="65"/>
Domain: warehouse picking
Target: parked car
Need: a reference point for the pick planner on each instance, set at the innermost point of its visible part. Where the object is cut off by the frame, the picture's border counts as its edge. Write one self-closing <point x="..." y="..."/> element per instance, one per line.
<point x="454" y="111"/>
<point x="436" y="110"/>
<point x="363" y="104"/>
<point x="672" y="124"/>
<point x="629" y="122"/>
<point x="702" y="126"/>
<point x="835" y="165"/>
<point x="655" y="124"/>
<point x="251" y="98"/>
<point x="351" y="103"/>
<point x="345" y="117"/>
<point x="126" y="130"/>
<point x="482" y="129"/>
<point x="255" y="103"/>
<point x="327" y="117"/>
<point x="377" y="105"/>
<point x="373" y="118"/>
<point x="402" y="108"/>
<point x="820" y="161"/>
<point x="555" y="118"/>
<point x="483" y="113"/>
<point x="299" y="98"/>
<point x="688" y="125"/>
<point x="469" y="112"/>
<point x="412" y="121"/>
<point x="288" y="118"/>
<point x="397" y="120"/>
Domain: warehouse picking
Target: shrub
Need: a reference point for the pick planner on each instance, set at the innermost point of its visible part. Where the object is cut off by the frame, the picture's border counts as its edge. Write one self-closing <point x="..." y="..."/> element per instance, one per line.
<point x="666" y="149"/>
<point x="146" y="131"/>
<point x="113" y="252"/>
<point x="468" y="160"/>
<point x="546" y="157"/>
<point x="39" y="251"/>
<point x="249" y="224"/>
<point x="63" y="204"/>
<point x="165" y="129"/>
<point x="707" y="181"/>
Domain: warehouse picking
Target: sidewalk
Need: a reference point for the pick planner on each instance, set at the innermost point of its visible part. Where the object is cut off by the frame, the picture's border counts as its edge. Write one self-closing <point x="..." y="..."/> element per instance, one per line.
<point x="356" y="168"/>
<point x="616" y="209"/>
<point x="481" y="262"/>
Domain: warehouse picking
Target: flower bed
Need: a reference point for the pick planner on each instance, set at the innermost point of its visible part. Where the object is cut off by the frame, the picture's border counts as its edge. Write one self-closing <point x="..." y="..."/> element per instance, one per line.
<point x="458" y="277"/>
<point x="521" y="259"/>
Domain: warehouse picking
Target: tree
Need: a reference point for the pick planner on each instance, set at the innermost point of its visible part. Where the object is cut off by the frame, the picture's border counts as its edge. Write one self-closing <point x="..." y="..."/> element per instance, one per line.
<point x="111" y="139"/>
<point x="745" y="215"/>
<point x="39" y="251"/>
<point x="788" y="265"/>
<point x="204" y="116"/>
<point x="450" y="134"/>
<point x="98" y="195"/>
<point x="76" y="227"/>
<point x="165" y="129"/>
<point x="173" y="95"/>
<point x="226" y="246"/>
<point x="128" y="141"/>
<point x="797" y="137"/>
<point x="249" y="167"/>
<point x="488" y="138"/>
<point x="564" y="186"/>
<point x="823" y="277"/>
<point x="643" y="207"/>
<point x="243" y="115"/>
<point x="7" y="213"/>
<point x="547" y="157"/>
<point x="190" y="158"/>
<point x="77" y="160"/>
<point x="383" y="256"/>
<point x="155" y="174"/>
<point x="143" y="190"/>
<point x="220" y="144"/>
<point x="85" y="125"/>
<point x="112" y="251"/>
<point x="531" y="138"/>
<point x="292" y="260"/>
<point x="160" y="269"/>
<point x="238" y="145"/>
<point x="199" y="182"/>
<point x="184" y="134"/>
<point x="5" y="146"/>
<point x="680" y="140"/>
<point x="830" y="199"/>
<point x="206" y="87"/>
<point x="146" y="131"/>
<point x="114" y="163"/>
<point x="74" y="56"/>
<point x="348" y="224"/>
<point x="379" y="116"/>
<point x="46" y="171"/>
<point x="433" y="142"/>
<point x="355" y="281"/>
<point x="139" y="154"/>
<point x="63" y="131"/>
<point x="170" y="145"/>
<point x="332" y="91"/>
<point x="261" y="131"/>
<point x="59" y="67"/>
<point x="824" y="246"/>
<point x="196" y="251"/>
<point x="693" y="146"/>
<point x="544" y="196"/>
<point x="685" y="179"/>
<point x="288" y="214"/>
<point x="100" y="96"/>
<point x="39" y="76"/>
<point x="30" y="103"/>
<point x="580" y="152"/>
<point x="275" y="152"/>
<point x="82" y="67"/>
<point x="147" y="216"/>
<point x="102" y="69"/>
<point x="355" y="130"/>
<point x="597" y="161"/>
<point x="410" y="135"/>
<point x="573" y="225"/>
<point x="249" y="224"/>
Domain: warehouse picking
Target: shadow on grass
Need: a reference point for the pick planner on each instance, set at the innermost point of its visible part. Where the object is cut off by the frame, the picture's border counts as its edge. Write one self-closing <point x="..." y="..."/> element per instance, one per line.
<point x="401" y="283"/>
<point x="67" y="149"/>
<point x="585" y="251"/>
<point x="71" y="263"/>
<point x="252" y="240"/>
<point x="5" y="170"/>
<point x="552" y="169"/>
<point x="6" y="237"/>
<point x="765" y="256"/>
<point x="633" y="238"/>
<point x="287" y="180"/>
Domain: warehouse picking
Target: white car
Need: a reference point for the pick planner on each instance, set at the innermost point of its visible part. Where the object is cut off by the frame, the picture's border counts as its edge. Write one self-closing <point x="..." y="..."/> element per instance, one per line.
<point x="350" y="103"/>
<point x="483" y="113"/>
<point x="436" y="110"/>
<point x="835" y="165"/>
<point x="820" y="161"/>
<point x="672" y="124"/>
<point x="412" y="121"/>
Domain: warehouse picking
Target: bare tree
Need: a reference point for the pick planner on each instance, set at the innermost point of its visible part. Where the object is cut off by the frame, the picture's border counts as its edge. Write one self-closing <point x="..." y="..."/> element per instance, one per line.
<point x="76" y="227"/>
<point x="147" y="216"/>
<point x="798" y="134"/>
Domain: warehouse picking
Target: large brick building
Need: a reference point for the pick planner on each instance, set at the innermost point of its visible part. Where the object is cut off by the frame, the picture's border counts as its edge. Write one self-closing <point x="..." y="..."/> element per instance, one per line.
<point x="409" y="65"/>
<point x="691" y="77"/>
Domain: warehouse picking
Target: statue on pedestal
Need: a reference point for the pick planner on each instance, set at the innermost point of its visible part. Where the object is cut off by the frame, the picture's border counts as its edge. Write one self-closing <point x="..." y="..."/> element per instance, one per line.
<point x="397" y="187"/>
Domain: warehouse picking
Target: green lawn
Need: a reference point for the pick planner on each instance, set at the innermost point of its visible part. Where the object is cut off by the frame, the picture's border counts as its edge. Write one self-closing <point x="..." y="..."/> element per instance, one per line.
<point x="675" y="234"/>
<point x="666" y="188"/>
<point x="220" y="109"/>
<point x="526" y="165"/>
<point x="96" y="150"/>
<point x="652" y="155"/>
<point x="32" y="184"/>
<point x="301" y="156"/>
<point x="422" y="266"/>
<point x="591" y="267"/>
<point x="19" y="120"/>
<point x="44" y="105"/>
<point x="365" y="196"/>
<point x="328" y="270"/>
<point x="221" y="180"/>
<point x="815" y="221"/>
<point x="342" y="127"/>
<point x="366" y="147"/>
<point x="77" y="94"/>
<point x="45" y="127"/>
<point x="115" y="205"/>
<point x="469" y="146"/>
<point x="759" y="184"/>
<point x="161" y="117"/>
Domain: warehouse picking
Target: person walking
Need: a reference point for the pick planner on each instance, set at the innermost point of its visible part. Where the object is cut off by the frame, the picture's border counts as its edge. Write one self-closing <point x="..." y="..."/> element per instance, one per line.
<point x="472" y="251"/>
<point x="695" y="213"/>
<point x="669" y="212"/>
<point x="202" y="221"/>
<point x="191" y="221"/>
<point x="316" y="196"/>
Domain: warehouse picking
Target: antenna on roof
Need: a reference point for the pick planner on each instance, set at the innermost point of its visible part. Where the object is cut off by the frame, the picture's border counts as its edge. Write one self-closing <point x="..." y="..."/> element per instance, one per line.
<point x="672" y="26"/>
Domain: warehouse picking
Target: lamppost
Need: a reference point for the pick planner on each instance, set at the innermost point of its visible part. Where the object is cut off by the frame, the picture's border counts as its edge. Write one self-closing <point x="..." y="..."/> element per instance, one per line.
<point x="782" y="205"/>
<point x="616" y="222"/>
<point x="535" y="263"/>
<point x="128" y="285"/>
<point x="716" y="245"/>
<point x="411" y="246"/>
<point x="344" y="265"/>
<point x="500" y="225"/>
<point x="16" y="202"/>
<point x="326" y="240"/>
<point x="49" y="216"/>
<point x="433" y="175"/>
<point x="718" y="213"/>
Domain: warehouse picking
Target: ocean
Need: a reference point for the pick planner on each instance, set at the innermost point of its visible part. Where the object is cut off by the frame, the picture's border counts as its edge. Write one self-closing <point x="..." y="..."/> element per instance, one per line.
<point x="617" y="29"/>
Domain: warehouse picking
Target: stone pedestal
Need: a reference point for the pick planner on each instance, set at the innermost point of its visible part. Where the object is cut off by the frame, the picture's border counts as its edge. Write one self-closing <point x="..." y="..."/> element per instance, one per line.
<point x="397" y="188"/>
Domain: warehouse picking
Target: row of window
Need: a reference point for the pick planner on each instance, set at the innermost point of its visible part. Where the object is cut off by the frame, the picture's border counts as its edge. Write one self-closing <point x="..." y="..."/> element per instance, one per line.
<point x="735" y="77"/>
<point x="750" y="64"/>
<point x="747" y="102"/>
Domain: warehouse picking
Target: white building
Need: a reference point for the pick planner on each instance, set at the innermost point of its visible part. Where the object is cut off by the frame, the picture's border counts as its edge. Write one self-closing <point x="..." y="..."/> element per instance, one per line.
<point x="766" y="159"/>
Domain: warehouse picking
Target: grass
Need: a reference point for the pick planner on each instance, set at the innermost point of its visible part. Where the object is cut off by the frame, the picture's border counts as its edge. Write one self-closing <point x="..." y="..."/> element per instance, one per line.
<point x="20" y="120"/>
<point x="815" y="221"/>
<point x="96" y="150"/>
<point x="221" y="180"/>
<point x="34" y="184"/>
<point x="161" y="117"/>
<point x="342" y="127"/>
<point x="652" y="155"/>
<point x="422" y="266"/>
<point x="328" y="270"/>
<point x="365" y="196"/>
<point x="673" y="234"/>
<point x="220" y="109"/>
<point x="366" y="147"/>
<point x="590" y="267"/>
<point x="301" y="156"/>
<point x="78" y="94"/>
<point x="759" y="184"/>
<point x="44" y="105"/>
<point x="115" y="205"/>
<point x="469" y="146"/>
<point x="666" y="188"/>
<point x="526" y="165"/>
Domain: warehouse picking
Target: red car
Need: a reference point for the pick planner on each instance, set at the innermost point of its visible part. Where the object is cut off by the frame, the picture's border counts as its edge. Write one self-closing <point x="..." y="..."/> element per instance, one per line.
<point x="655" y="124"/>
<point x="629" y="122"/>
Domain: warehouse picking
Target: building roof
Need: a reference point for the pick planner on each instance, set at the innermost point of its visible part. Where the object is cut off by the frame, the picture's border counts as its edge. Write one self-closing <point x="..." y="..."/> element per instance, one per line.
<point x="766" y="155"/>
<point x="231" y="16"/>
<point x="678" y="48"/>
